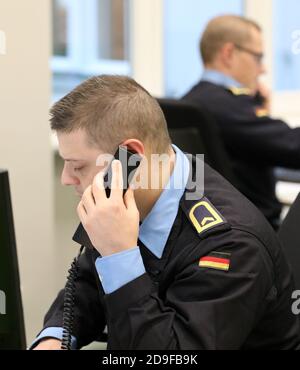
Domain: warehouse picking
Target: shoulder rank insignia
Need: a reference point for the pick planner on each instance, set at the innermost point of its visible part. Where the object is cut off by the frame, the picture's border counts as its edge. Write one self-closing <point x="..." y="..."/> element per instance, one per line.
<point x="260" y="112"/>
<point x="240" y="90"/>
<point x="216" y="261"/>
<point x="204" y="216"/>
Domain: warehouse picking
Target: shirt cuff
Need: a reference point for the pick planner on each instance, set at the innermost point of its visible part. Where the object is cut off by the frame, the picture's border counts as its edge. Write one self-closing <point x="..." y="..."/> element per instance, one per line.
<point x="119" y="269"/>
<point x="55" y="333"/>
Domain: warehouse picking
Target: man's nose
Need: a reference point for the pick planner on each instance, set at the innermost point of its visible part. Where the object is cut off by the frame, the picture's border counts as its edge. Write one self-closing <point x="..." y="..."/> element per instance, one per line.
<point x="68" y="179"/>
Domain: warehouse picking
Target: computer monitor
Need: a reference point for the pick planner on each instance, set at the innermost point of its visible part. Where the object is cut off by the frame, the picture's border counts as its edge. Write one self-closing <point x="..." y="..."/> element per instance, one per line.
<point x="12" y="331"/>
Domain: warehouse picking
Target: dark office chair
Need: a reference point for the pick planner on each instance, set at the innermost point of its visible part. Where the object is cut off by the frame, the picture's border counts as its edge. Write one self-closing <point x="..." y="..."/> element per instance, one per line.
<point x="289" y="235"/>
<point x="194" y="131"/>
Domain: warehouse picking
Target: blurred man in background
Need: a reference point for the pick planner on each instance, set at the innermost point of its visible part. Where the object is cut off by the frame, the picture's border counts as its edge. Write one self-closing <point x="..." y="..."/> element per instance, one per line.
<point x="232" y="52"/>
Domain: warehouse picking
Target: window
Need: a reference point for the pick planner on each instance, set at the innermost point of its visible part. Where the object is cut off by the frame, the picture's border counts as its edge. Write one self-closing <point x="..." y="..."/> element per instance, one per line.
<point x="90" y="37"/>
<point x="184" y="21"/>
<point x="112" y="30"/>
<point x="59" y="34"/>
<point x="286" y="31"/>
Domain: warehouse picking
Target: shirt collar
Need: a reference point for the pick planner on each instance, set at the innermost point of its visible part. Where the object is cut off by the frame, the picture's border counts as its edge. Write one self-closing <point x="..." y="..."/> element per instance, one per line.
<point x="219" y="78"/>
<point x="156" y="227"/>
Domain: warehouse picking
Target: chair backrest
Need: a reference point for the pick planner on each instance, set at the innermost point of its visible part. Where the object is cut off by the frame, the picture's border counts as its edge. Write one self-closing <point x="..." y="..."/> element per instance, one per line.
<point x="194" y="130"/>
<point x="188" y="140"/>
<point x="289" y="235"/>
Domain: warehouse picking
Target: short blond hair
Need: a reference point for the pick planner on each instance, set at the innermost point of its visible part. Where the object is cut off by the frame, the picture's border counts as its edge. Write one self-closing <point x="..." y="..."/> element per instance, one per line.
<point x="112" y="109"/>
<point x="223" y="29"/>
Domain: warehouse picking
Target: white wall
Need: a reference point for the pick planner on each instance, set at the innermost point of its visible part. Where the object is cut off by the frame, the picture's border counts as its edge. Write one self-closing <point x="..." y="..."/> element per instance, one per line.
<point x="146" y="39"/>
<point x="25" y="148"/>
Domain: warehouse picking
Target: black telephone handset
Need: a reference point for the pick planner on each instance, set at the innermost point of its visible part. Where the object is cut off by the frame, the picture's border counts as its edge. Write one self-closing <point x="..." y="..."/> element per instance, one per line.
<point x="130" y="163"/>
<point x="259" y="99"/>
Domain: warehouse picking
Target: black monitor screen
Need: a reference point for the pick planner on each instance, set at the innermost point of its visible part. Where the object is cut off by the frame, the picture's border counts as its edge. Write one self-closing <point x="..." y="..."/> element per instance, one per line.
<point x="12" y="333"/>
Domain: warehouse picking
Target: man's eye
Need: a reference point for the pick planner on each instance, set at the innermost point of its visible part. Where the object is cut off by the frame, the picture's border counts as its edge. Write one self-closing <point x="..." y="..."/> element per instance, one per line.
<point x="78" y="169"/>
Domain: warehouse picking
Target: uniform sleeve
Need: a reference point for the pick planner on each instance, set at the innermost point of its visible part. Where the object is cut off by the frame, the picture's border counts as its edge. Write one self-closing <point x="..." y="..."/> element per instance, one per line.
<point x="52" y="333"/>
<point x="202" y="308"/>
<point x="89" y="316"/>
<point x="113" y="270"/>
<point x="271" y="141"/>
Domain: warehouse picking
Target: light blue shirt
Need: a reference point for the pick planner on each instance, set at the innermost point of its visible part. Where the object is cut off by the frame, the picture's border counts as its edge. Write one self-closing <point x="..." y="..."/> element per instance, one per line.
<point x="219" y="78"/>
<point x="121" y="268"/>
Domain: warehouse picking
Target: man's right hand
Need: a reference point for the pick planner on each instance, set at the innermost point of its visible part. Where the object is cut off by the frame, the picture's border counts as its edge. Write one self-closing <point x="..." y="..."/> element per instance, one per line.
<point x="48" y="345"/>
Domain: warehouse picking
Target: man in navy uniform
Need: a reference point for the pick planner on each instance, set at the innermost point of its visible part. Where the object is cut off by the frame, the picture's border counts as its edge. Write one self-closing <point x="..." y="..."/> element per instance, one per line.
<point x="188" y="264"/>
<point x="232" y="52"/>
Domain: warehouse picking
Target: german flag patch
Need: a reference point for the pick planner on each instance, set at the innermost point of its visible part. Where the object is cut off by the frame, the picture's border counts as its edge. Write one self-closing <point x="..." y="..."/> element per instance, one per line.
<point x="216" y="261"/>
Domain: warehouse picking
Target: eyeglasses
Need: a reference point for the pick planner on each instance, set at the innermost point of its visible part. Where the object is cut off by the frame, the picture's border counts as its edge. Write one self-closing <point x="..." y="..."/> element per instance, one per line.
<point x="258" y="56"/>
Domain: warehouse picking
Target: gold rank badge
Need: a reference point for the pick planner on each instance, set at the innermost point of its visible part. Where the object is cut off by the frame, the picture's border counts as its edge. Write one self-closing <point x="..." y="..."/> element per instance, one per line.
<point x="204" y="216"/>
<point x="261" y="112"/>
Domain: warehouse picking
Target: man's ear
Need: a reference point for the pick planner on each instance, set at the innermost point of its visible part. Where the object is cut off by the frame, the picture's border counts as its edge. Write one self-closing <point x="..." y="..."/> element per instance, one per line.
<point x="135" y="146"/>
<point x="227" y="53"/>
